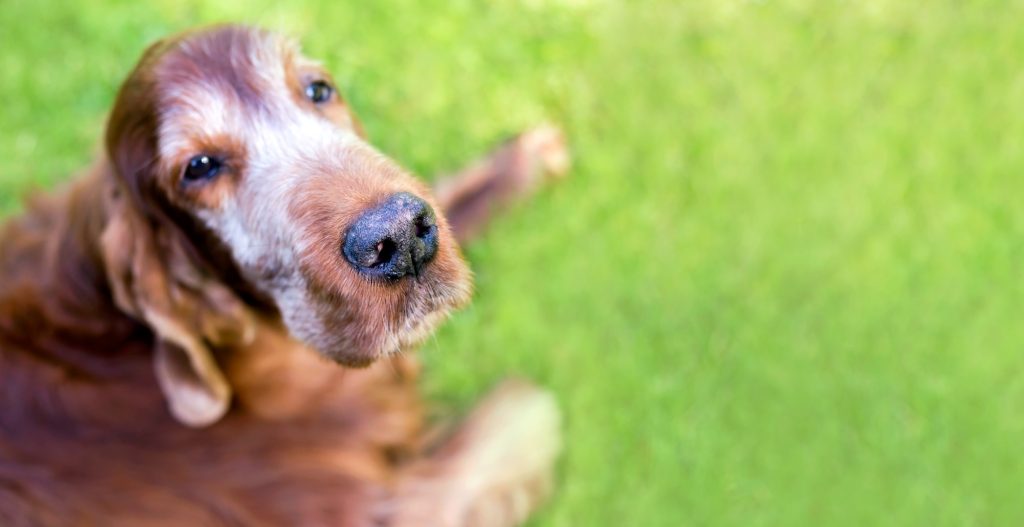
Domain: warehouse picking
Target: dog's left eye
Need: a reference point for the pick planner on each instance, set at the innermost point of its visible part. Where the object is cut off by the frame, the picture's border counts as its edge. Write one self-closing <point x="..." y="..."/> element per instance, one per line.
<point x="319" y="91"/>
<point x="202" y="167"/>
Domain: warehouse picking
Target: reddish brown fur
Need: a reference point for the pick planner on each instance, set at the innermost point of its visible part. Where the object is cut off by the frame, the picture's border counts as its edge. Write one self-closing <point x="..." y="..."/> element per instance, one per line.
<point x="115" y="271"/>
<point x="91" y="443"/>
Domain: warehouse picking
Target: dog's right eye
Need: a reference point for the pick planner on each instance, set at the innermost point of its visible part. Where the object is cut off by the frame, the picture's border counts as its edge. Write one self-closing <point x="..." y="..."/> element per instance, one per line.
<point x="202" y="167"/>
<point x="319" y="91"/>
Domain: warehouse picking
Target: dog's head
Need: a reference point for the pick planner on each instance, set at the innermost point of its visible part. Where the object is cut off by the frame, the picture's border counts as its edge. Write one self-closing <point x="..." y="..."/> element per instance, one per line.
<point x="242" y="182"/>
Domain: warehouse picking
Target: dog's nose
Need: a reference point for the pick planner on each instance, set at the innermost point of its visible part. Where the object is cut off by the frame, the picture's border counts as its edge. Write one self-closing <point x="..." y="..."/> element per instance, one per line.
<point x="393" y="239"/>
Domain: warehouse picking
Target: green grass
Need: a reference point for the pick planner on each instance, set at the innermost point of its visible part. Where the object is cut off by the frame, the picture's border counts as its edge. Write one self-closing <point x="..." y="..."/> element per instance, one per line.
<point x="783" y="284"/>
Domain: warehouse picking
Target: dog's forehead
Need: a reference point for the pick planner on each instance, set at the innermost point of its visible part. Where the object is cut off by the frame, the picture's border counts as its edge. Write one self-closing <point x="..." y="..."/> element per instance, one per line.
<point x="212" y="84"/>
<point x="245" y="63"/>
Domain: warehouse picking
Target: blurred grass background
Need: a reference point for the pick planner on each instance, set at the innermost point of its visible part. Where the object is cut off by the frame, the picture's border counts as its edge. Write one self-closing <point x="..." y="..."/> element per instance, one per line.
<point x="782" y="285"/>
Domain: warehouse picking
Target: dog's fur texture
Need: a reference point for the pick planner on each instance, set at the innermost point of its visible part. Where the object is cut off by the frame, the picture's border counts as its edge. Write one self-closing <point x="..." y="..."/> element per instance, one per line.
<point x="166" y="345"/>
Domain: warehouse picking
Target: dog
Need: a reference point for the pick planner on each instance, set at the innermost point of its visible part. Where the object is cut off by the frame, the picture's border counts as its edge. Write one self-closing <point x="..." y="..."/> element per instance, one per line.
<point x="213" y="325"/>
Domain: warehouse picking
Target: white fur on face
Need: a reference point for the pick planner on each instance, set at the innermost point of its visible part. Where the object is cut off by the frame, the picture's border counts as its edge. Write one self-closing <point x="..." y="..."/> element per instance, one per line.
<point x="284" y="142"/>
<point x="253" y="221"/>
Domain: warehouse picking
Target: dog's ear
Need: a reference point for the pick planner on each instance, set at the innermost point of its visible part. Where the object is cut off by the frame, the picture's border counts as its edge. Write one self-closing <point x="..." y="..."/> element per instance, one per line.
<point x="152" y="276"/>
<point x="152" y="279"/>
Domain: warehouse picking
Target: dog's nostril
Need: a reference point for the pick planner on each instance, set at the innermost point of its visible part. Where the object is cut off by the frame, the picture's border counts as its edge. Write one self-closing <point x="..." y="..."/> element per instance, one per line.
<point x="425" y="226"/>
<point x="385" y="252"/>
<point x="394" y="239"/>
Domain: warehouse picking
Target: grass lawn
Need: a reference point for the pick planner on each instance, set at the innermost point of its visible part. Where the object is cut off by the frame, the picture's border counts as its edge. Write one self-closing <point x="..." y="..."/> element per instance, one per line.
<point x="783" y="284"/>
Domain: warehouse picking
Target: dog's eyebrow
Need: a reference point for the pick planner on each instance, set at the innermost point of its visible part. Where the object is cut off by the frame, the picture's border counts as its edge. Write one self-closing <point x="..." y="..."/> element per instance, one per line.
<point x="234" y="61"/>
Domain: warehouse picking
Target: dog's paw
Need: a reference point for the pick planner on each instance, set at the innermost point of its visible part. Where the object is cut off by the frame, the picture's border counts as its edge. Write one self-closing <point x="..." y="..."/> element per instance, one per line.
<point x="546" y="148"/>
<point x="508" y="451"/>
<point x="495" y="470"/>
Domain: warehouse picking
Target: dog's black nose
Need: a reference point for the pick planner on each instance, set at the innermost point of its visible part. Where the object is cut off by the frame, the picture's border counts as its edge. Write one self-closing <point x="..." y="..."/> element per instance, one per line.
<point x="393" y="239"/>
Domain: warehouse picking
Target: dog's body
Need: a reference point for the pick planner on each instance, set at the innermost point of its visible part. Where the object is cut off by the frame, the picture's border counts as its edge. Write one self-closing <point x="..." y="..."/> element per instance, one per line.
<point x="144" y="285"/>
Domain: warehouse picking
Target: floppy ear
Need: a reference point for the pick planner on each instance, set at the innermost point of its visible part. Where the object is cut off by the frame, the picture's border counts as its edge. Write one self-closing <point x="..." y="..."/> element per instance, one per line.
<point x="153" y="280"/>
<point x="151" y="275"/>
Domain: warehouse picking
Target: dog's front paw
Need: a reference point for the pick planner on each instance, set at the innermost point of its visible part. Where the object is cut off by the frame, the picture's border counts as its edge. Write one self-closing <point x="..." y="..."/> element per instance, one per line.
<point x="494" y="471"/>
<point x="546" y="151"/>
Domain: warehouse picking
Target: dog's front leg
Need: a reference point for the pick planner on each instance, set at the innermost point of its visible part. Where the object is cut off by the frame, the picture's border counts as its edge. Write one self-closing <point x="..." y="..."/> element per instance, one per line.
<point x="511" y="172"/>
<point x="494" y="471"/>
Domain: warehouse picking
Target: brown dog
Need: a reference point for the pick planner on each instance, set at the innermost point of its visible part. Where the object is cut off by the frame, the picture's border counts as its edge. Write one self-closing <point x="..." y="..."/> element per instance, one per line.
<point x="239" y="230"/>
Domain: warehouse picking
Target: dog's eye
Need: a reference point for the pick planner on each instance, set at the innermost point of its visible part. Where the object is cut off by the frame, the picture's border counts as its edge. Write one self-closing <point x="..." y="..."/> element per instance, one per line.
<point x="202" y="167"/>
<point x="319" y="91"/>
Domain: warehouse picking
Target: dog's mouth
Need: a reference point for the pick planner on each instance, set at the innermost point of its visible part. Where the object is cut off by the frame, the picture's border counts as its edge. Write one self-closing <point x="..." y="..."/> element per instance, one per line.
<point x="405" y="337"/>
<point x="370" y="321"/>
<point x="424" y="315"/>
<point x="414" y="333"/>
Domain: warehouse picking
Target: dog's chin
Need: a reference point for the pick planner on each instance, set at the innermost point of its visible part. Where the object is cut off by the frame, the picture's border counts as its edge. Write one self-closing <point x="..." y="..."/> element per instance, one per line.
<point x="350" y="361"/>
<point x="361" y="349"/>
<point x="355" y="329"/>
